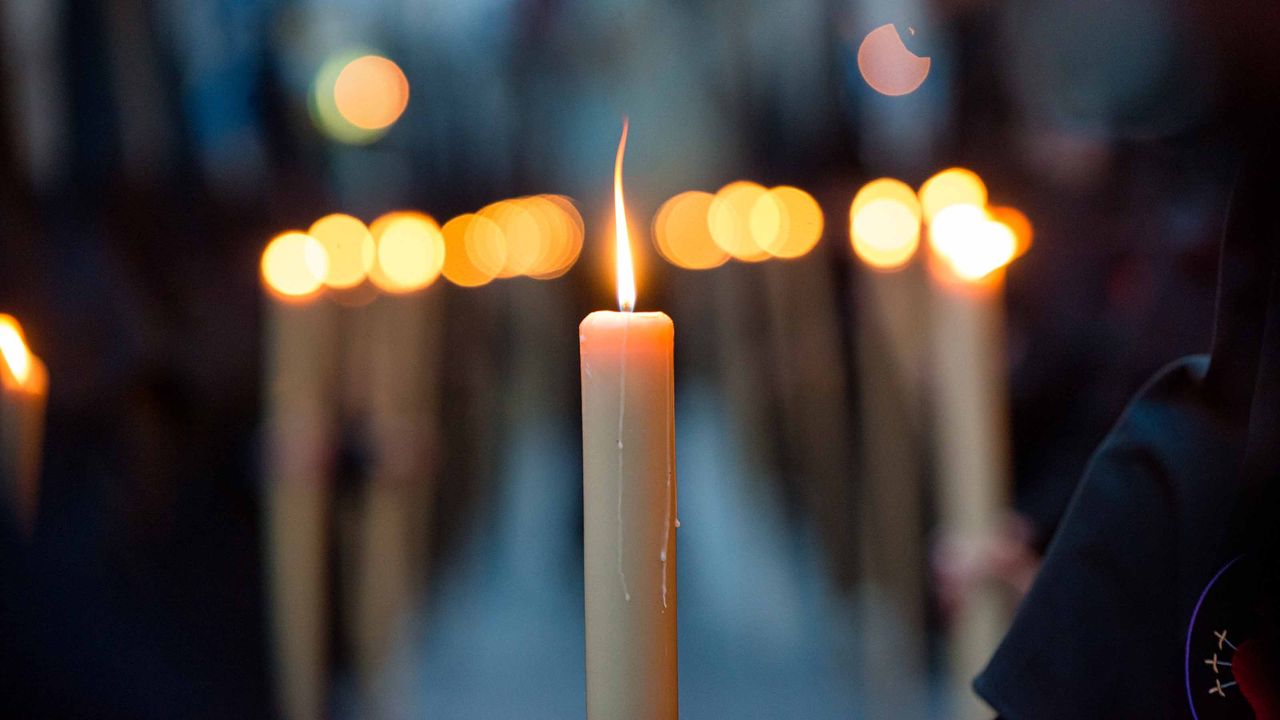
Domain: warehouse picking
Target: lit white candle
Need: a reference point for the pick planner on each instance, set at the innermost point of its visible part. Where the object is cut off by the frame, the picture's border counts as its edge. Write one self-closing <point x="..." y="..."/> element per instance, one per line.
<point x="24" y="393"/>
<point x="403" y="378"/>
<point x="629" y="501"/>
<point x="891" y="300"/>
<point x="300" y="433"/>
<point x="969" y="254"/>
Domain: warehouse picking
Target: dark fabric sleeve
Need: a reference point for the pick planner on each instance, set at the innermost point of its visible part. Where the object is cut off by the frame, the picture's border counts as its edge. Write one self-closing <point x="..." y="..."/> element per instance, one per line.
<point x="1100" y="635"/>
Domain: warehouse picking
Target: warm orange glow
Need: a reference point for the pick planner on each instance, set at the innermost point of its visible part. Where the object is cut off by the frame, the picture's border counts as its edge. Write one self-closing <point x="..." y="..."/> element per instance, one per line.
<point x="954" y="186"/>
<point x="886" y="189"/>
<point x="485" y="246"/>
<point x="884" y="224"/>
<point x="887" y="65"/>
<point x="564" y="229"/>
<point x="554" y="235"/>
<point x="682" y="235"/>
<point x="371" y="92"/>
<point x="970" y="243"/>
<point x="458" y="266"/>
<point x="731" y="223"/>
<point x="349" y="246"/>
<point x="788" y="221"/>
<point x="626" y="273"/>
<point x="410" y="252"/>
<point x="523" y="240"/>
<point x="13" y="349"/>
<point x="885" y="234"/>
<point x="294" y="265"/>
<point x="1015" y="220"/>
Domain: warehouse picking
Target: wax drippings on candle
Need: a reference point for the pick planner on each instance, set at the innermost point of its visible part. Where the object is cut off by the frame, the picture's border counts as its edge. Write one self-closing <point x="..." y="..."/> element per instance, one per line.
<point x="622" y="411"/>
<point x="666" y="527"/>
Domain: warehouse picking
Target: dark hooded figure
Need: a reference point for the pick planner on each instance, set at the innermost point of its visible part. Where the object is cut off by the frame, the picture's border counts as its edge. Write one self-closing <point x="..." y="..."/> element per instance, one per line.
<point x="1157" y="597"/>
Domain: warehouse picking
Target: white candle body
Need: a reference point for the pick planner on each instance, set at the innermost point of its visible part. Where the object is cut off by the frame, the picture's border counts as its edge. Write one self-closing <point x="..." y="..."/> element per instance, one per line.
<point x="396" y="505"/>
<point x="973" y="460"/>
<point x="892" y="336"/>
<point x="629" y="502"/>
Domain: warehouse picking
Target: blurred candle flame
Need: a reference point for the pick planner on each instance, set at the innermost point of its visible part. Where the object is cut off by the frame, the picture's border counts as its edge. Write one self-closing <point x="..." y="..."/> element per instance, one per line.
<point x="884" y="224"/>
<point x="953" y="186"/>
<point x="622" y="241"/>
<point x="294" y="266"/>
<point x="13" y="347"/>
<point x="1016" y="221"/>
<point x="970" y="243"/>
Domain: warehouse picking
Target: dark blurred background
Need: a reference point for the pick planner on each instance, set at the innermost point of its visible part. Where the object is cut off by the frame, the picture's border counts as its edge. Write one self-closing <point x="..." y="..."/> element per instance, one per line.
<point x="149" y="150"/>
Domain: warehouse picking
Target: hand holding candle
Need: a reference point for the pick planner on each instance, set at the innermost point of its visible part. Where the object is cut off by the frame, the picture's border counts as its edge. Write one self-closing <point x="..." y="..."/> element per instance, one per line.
<point x="629" y="500"/>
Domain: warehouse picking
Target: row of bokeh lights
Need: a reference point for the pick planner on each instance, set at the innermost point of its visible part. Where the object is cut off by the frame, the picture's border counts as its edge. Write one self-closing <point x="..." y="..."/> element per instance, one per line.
<point x="969" y="237"/>
<point x="538" y="236"/>
<point x="358" y="96"/>
<point x="742" y="221"/>
<point x="541" y="236"/>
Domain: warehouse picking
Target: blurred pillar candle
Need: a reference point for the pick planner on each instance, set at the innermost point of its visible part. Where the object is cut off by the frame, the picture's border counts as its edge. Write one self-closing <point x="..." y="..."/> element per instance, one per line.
<point x="24" y="393"/>
<point x="404" y="354"/>
<point x="969" y="253"/>
<point x="890" y="297"/>
<point x="629" y="501"/>
<point x="301" y="424"/>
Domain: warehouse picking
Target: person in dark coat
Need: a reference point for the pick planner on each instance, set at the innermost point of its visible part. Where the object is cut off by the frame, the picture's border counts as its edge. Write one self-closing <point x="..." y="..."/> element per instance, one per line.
<point x="1163" y="569"/>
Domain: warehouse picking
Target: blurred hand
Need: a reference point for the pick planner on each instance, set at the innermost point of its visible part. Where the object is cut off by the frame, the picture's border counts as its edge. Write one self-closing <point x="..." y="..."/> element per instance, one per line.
<point x="1004" y="556"/>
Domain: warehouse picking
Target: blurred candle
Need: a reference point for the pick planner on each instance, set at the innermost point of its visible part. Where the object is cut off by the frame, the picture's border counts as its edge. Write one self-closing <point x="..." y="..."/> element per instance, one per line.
<point x="24" y="393"/>
<point x="394" y="528"/>
<point x="629" y="500"/>
<point x="300" y="434"/>
<point x="890" y="297"/>
<point x="969" y="252"/>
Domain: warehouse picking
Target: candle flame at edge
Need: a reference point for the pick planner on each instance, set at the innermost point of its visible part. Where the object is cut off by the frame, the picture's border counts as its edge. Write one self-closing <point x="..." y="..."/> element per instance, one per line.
<point x="626" y="273"/>
<point x="13" y="349"/>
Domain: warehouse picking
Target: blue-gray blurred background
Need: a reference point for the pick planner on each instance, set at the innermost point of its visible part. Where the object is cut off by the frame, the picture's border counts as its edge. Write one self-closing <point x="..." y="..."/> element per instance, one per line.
<point x="149" y="150"/>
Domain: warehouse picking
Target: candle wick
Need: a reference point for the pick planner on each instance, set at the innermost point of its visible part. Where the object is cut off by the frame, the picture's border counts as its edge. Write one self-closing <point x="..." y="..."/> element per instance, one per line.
<point x="622" y="411"/>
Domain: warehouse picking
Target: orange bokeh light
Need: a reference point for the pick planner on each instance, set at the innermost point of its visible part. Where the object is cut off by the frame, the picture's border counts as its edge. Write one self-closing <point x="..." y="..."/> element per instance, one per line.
<point x="888" y="66"/>
<point x="731" y="223"/>
<point x="564" y="229"/>
<point x="953" y="186"/>
<point x="970" y="243"/>
<point x="14" y="351"/>
<point x="371" y="92"/>
<point x="458" y="265"/>
<point x="486" y="245"/>
<point x="884" y="224"/>
<point x="682" y="234"/>
<point x="788" y="222"/>
<point x="523" y="242"/>
<point x="294" y="265"/>
<point x="1017" y="221"/>
<point x="350" y="248"/>
<point x="410" y="252"/>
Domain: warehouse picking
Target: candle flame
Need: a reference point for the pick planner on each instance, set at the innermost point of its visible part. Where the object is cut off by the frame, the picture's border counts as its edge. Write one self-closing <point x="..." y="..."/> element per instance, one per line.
<point x="884" y="224"/>
<point x="972" y="245"/>
<point x="13" y="348"/>
<point x="622" y="240"/>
